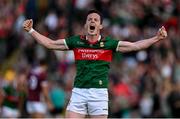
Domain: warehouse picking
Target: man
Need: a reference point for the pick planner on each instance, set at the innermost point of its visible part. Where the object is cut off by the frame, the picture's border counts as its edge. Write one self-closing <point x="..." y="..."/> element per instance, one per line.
<point x="93" y="54"/>
<point x="37" y="85"/>
<point x="10" y="96"/>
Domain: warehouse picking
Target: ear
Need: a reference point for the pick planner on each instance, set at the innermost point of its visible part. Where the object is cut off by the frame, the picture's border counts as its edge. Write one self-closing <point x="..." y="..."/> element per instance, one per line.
<point x="101" y="26"/>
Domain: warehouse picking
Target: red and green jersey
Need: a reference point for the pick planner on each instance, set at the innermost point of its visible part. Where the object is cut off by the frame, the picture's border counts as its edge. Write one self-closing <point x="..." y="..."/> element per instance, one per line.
<point x="11" y="97"/>
<point x="92" y="60"/>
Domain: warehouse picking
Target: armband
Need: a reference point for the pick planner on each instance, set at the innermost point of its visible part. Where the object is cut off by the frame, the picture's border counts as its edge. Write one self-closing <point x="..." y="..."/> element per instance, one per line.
<point x="30" y="31"/>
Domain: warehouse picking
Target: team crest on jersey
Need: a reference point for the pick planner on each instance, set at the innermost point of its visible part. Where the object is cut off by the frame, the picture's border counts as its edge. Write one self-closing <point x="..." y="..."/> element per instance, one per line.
<point x="90" y="45"/>
<point x="80" y="43"/>
<point x="100" y="82"/>
<point x="101" y="44"/>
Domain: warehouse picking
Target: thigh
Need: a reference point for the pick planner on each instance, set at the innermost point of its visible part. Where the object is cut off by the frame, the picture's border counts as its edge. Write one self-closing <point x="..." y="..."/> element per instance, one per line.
<point x="98" y="102"/>
<point x="99" y="116"/>
<point x="70" y="114"/>
<point x="77" y="103"/>
<point x="98" y="108"/>
<point x="9" y="112"/>
<point x="29" y="107"/>
<point x="40" y="107"/>
<point x="36" y="107"/>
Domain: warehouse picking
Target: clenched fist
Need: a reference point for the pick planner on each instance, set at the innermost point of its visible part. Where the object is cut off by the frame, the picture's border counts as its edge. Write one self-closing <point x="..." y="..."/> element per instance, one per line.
<point x="162" y="33"/>
<point x="28" y="24"/>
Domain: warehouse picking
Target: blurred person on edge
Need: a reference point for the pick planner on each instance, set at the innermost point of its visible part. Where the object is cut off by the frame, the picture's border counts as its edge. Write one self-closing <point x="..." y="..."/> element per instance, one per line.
<point x="38" y="100"/>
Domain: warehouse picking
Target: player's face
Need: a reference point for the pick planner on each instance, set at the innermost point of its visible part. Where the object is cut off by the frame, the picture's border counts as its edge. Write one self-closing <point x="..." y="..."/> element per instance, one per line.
<point x="93" y="24"/>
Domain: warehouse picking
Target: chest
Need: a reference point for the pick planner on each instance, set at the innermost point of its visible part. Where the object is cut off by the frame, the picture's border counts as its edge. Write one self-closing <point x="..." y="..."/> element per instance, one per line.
<point x="92" y="54"/>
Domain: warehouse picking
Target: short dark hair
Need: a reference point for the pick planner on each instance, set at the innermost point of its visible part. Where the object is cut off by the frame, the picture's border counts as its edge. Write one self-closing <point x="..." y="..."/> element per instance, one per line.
<point x="97" y="12"/>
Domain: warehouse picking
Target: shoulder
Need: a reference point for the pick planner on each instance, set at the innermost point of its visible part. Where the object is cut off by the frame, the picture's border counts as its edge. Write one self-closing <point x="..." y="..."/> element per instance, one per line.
<point x="76" y="37"/>
<point x="111" y="43"/>
<point x="71" y="42"/>
<point x="109" y="38"/>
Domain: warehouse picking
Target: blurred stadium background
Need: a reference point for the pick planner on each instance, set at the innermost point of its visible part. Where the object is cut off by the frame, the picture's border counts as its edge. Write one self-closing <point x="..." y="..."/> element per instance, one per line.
<point x="141" y="84"/>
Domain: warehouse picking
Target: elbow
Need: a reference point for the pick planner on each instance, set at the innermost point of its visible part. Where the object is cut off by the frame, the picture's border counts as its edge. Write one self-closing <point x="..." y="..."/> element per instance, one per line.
<point x="46" y="45"/>
<point x="133" y="47"/>
<point x="125" y="50"/>
<point x="50" y="48"/>
<point x="49" y="45"/>
<point x="136" y="47"/>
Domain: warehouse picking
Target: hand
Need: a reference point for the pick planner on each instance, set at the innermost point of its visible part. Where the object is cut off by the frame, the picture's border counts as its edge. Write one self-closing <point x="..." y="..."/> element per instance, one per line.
<point x="28" y="24"/>
<point x="50" y="105"/>
<point x="162" y="33"/>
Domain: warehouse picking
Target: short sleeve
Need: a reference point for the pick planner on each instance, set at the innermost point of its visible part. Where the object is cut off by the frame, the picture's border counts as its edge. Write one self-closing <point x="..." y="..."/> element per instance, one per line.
<point x="113" y="44"/>
<point x="70" y="42"/>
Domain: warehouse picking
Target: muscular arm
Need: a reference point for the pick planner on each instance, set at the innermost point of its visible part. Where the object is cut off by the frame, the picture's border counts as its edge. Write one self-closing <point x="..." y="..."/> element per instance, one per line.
<point x="125" y="46"/>
<point x="47" y="42"/>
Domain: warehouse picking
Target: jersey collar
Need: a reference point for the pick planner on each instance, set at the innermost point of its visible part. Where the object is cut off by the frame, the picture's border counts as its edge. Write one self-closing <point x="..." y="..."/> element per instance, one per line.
<point x="99" y="38"/>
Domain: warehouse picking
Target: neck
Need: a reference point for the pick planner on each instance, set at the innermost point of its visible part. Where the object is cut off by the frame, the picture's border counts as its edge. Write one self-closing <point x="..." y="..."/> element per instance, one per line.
<point x="93" y="38"/>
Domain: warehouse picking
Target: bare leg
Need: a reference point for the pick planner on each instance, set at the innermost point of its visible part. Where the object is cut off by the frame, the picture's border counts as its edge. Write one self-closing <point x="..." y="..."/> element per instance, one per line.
<point x="70" y="114"/>
<point x="99" y="116"/>
<point x="37" y="115"/>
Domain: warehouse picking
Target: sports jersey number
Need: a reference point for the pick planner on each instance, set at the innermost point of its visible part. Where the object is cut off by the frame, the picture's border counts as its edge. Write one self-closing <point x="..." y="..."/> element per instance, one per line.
<point x="33" y="82"/>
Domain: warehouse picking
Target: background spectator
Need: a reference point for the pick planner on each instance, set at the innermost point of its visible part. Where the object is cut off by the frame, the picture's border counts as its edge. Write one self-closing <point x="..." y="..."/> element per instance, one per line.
<point x="145" y="79"/>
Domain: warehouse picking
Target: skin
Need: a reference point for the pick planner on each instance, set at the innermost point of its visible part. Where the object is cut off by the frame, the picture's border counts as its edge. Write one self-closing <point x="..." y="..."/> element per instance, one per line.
<point x="93" y="19"/>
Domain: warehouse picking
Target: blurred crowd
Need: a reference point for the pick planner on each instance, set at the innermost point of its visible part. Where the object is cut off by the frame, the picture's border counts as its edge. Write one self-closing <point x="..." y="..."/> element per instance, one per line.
<point x="141" y="84"/>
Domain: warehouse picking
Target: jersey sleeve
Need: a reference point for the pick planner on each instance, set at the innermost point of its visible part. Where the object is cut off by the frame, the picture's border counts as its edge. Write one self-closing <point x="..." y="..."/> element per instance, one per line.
<point x="113" y="43"/>
<point x="70" y="42"/>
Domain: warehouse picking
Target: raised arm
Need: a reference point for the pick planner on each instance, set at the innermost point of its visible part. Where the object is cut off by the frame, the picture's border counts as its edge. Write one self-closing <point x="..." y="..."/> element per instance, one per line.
<point x="125" y="46"/>
<point x="47" y="42"/>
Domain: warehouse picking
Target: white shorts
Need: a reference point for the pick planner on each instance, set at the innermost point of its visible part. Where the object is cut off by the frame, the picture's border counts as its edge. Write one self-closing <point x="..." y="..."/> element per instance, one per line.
<point x="36" y="107"/>
<point x="8" y="112"/>
<point x="92" y="101"/>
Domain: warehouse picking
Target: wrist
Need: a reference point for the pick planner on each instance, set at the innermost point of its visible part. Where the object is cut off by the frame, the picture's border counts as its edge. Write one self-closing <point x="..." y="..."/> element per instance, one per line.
<point x="31" y="30"/>
<point x="157" y="38"/>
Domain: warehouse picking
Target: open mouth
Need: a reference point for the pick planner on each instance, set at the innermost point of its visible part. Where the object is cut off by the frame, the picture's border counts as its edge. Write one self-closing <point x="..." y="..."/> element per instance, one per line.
<point x="92" y="27"/>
